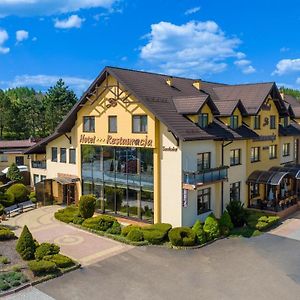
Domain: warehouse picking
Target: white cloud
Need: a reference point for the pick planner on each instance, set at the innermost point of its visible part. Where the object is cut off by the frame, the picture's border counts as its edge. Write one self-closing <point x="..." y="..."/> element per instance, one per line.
<point x="192" y="10"/>
<point x="284" y="49"/>
<point x="73" y="21"/>
<point x="49" y="7"/>
<point x="3" y="39"/>
<point x="21" y="35"/>
<point x="43" y="82"/>
<point x="286" y="66"/>
<point x="191" y="49"/>
<point x="245" y="66"/>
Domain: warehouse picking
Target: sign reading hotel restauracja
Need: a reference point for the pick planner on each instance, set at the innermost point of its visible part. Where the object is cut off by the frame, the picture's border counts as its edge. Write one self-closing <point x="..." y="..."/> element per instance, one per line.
<point x="119" y="141"/>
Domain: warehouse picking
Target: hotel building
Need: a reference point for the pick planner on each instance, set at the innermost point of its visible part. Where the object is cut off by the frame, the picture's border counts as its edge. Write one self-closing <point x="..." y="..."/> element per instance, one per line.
<point x="170" y="149"/>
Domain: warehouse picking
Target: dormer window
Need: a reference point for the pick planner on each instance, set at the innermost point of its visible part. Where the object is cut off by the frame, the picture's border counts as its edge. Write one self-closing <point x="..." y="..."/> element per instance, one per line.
<point x="285" y="121"/>
<point x="256" y="122"/>
<point x="272" y="122"/>
<point x="234" y="122"/>
<point x="203" y="120"/>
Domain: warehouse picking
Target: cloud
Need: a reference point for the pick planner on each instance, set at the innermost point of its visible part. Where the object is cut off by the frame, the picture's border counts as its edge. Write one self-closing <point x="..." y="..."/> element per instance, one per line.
<point x="245" y="66"/>
<point x="3" y="39"/>
<point x="284" y="49"/>
<point x="21" y="35"/>
<point x="43" y="82"/>
<point x="73" y="21"/>
<point x="192" y="10"/>
<point x="191" y="49"/>
<point x="286" y="66"/>
<point x="49" y="7"/>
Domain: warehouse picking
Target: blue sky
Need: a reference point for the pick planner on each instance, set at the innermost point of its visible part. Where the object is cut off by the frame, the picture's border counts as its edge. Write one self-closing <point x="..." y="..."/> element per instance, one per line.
<point x="226" y="41"/>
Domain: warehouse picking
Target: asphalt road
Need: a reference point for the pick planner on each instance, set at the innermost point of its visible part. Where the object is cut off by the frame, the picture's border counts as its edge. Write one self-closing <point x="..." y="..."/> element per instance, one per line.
<point x="265" y="267"/>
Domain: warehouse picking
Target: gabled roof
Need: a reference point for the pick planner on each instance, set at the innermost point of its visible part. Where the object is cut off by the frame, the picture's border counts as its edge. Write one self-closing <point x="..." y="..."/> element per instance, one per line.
<point x="226" y="108"/>
<point x="16" y="144"/>
<point x="291" y="130"/>
<point x="293" y="105"/>
<point x="40" y="147"/>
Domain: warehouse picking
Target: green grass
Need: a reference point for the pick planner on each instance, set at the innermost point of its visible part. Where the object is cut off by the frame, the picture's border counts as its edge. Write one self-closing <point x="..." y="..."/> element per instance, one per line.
<point x="246" y="232"/>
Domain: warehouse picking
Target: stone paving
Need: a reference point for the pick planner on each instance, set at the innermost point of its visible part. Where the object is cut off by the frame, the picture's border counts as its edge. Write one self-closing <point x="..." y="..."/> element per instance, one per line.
<point x="29" y="294"/>
<point x="82" y="246"/>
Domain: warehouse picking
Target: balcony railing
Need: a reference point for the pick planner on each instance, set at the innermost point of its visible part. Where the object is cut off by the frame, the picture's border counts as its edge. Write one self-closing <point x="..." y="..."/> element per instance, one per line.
<point x="38" y="164"/>
<point x="205" y="177"/>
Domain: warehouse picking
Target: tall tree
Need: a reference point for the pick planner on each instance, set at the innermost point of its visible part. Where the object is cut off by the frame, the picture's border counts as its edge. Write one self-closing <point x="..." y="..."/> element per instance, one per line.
<point x="293" y="92"/>
<point x="58" y="101"/>
<point x="4" y="112"/>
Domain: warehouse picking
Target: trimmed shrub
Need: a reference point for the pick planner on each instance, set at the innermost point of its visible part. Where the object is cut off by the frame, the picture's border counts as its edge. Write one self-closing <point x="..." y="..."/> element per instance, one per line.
<point x="245" y="231"/>
<point x="127" y="229"/>
<point x="19" y="191"/>
<point x="45" y="249"/>
<point x="26" y="245"/>
<point x="42" y="267"/>
<point x="100" y="223"/>
<point x="67" y="214"/>
<point x="6" y="234"/>
<point x="200" y="234"/>
<point x="60" y="260"/>
<point x="260" y="221"/>
<point x="225" y="224"/>
<point x="154" y="236"/>
<point x="182" y="236"/>
<point x="7" y="199"/>
<point x="32" y="197"/>
<point x="14" y="173"/>
<point x="87" y="205"/>
<point x="115" y="228"/>
<point x="211" y="228"/>
<point x="78" y="220"/>
<point x="237" y="213"/>
<point x="135" y="235"/>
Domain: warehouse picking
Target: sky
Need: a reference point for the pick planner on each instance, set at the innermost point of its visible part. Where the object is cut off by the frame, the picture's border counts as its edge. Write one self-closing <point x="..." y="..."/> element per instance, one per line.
<point x="224" y="41"/>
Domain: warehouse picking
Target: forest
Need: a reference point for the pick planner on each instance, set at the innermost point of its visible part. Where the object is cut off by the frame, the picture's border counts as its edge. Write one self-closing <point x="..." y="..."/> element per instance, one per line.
<point x="25" y="112"/>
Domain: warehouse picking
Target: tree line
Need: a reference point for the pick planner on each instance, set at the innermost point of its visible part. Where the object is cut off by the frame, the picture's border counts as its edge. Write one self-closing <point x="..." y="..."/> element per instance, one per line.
<point x="25" y="112"/>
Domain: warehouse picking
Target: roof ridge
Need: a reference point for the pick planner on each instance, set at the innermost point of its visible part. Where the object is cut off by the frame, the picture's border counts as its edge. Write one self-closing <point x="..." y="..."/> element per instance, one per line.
<point x="243" y="84"/>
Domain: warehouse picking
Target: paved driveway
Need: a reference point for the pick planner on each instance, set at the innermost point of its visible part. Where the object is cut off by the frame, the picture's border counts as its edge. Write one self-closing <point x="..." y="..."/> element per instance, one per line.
<point x="80" y="245"/>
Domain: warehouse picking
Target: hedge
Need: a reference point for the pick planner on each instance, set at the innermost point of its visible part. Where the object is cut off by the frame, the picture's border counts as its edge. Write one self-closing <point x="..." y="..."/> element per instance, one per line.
<point x="200" y="234"/>
<point x="60" y="260"/>
<point x="154" y="236"/>
<point x="45" y="249"/>
<point x="6" y="234"/>
<point x="115" y="228"/>
<point x="127" y="229"/>
<point x="42" y="267"/>
<point x="260" y="221"/>
<point x="182" y="236"/>
<point x="100" y="223"/>
<point x="67" y="214"/>
<point x="225" y="224"/>
<point x="19" y="191"/>
<point x="135" y="235"/>
<point x="211" y="228"/>
<point x="7" y="199"/>
<point x="87" y="205"/>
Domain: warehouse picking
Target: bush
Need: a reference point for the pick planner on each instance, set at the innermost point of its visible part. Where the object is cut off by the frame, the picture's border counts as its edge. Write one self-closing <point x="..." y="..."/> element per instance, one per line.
<point x="14" y="173"/>
<point x="1" y="209"/>
<point x="237" y="213"/>
<point x="182" y="236"/>
<point x="115" y="228"/>
<point x="78" y="220"/>
<point x="100" y="223"/>
<point x="67" y="214"/>
<point x="19" y="191"/>
<point x="245" y="232"/>
<point x="11" y="279"/>
<point x="7" y="199"/>
<point x="200" y="234"/>
<point x="26" y="245"/>
<point x="42" y="267"/>
<point x="6" y="234"/>
<point x="87" y="205"/>
<point x="211" y="228"/>
<point x="32" y="197"/>
<point x="127" y="229"/>
<point x="60" y="260"/>
<point x="45" y="249"/>
<point x="260" y="221"/>
<point x="135" y="235"/>
<point x="154" y="236"/>
<point x="225" y="224"/>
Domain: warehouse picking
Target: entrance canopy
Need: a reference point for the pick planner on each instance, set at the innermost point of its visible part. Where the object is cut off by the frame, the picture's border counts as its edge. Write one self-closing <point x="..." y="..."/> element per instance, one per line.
<point x="267" y="177"/>
<point x="293" y="170"/>
<point x="66" y="180"/>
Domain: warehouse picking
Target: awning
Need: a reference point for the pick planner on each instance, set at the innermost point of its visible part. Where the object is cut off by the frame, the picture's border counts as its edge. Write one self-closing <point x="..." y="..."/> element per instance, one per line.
<point x="66" y="180"/>
<point x="266" y="177"/>
<point x="293" y="170"/>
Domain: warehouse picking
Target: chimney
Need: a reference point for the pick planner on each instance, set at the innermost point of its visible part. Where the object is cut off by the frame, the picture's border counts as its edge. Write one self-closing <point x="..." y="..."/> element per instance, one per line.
<point x="197" y="84"/>
<point x="169" y="81"/>
<point x="282" y="94"/>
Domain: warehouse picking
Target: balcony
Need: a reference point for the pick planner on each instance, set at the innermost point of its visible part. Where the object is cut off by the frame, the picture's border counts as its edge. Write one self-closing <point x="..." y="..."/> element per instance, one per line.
<point x="193" y="180"/>
<point x="38" y="164"/>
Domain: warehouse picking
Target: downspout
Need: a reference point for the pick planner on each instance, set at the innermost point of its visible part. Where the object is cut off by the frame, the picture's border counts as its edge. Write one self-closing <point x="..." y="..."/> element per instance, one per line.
<point x="222" y="163"/>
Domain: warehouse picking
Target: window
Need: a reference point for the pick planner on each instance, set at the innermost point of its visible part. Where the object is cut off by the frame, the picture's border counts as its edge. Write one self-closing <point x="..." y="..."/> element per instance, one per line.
<point x="43" y="177"/>
<point x="3" y="158"/>
<point x="286" y="149"/>
<point x="72" y="156"/>
<point x="63" y="155"/>
<point x="139" y="124"/>
<point x="272" y="122"/>
<point x="256" y="122"/>
<point x="112" y="124"/>
<point x="254" y="190"/>
<point x="203" y="201"/>
<point x="235" y="157"/>
<point x="272" y="151"/>
<point x="89" y="124"/>
<point x="36" y="179"/>
<point x="203" y="161"/>
<point x="20" y="160"/>
<point x="255" y="154"/>
<point x="54" y="154"/>
<point x="285" y="121"/>
<point x="235" y="191"/>
<point x="203" y="120"/>
<point x="234" y="122"/>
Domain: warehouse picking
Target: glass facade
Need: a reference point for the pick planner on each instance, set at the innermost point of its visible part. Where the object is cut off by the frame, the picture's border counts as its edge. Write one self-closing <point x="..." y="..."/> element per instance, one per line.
<point x="121" y="177"/>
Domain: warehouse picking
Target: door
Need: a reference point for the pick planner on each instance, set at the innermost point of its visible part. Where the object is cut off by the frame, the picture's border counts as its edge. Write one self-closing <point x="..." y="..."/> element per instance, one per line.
<point x="68" y="194"/>
<point x="20" y="160"/>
